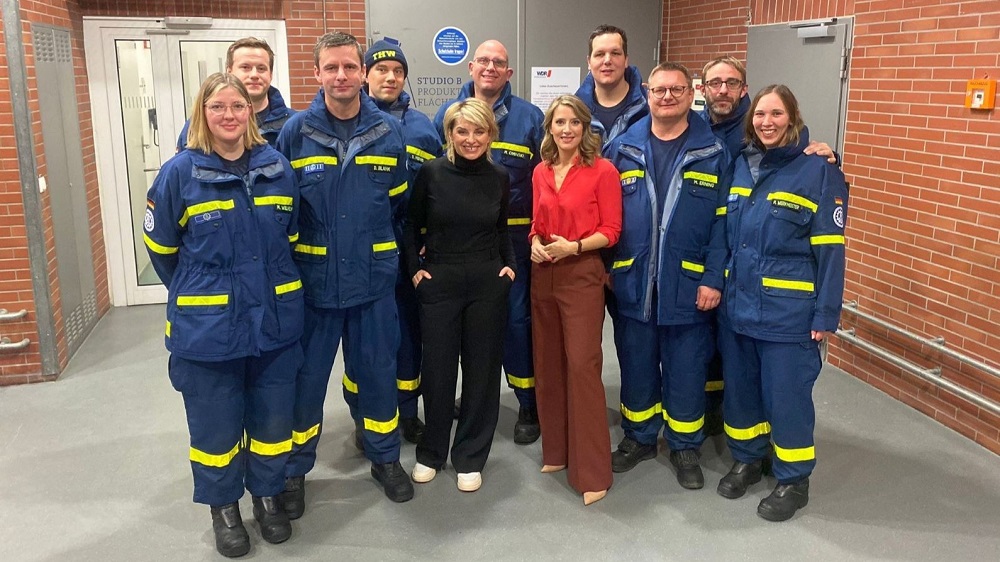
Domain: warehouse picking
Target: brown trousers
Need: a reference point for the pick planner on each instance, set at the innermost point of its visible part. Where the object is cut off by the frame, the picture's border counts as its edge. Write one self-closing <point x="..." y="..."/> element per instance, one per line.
<point x="567" y="320"/>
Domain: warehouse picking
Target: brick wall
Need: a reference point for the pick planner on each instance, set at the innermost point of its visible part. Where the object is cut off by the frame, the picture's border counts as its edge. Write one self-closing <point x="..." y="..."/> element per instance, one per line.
<point x="924" y="226"/>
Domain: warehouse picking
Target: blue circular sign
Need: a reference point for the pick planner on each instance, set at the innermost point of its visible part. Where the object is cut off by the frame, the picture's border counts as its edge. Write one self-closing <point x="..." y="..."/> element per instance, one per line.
<point x="451" y="45"/>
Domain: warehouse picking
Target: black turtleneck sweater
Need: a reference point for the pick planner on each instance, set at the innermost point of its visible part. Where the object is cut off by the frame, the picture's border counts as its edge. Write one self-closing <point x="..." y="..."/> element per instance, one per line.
<point x="462" y="206"/>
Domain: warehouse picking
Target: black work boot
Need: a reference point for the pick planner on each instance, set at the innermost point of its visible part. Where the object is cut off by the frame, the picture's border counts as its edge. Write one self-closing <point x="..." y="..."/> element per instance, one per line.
<point x="784" y="501"/>
<point x="231" y="538"/>
<point x="689" y="474"/>
<point x="412" y="428"/>
<point x="526" y="428"/>
<point x="630" y="453"/>
<point x="293" y="499"/>
<point x="741" y="476"/>
<point x="394" y="481"/>
<point x="359" y="432"/>
<point x="274" y="525"/>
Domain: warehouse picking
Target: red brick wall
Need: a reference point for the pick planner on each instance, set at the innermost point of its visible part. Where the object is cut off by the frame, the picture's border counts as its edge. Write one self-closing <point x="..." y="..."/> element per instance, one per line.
<point x="924" y="226"/>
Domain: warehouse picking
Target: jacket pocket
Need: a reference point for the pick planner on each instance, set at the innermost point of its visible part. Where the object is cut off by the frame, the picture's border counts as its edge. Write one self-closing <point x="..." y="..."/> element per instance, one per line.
<point x="202" y="322"/>
<point x="627" y="279"/>
<point x="290" y="309"/>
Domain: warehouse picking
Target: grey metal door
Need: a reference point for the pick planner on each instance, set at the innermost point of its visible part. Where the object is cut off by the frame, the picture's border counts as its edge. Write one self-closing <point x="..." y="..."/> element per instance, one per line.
<point x="814" y="68"/>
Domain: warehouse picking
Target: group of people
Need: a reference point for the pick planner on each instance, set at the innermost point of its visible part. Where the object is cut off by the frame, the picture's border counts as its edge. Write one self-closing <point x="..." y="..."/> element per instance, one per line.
<point x="278" y="235"/>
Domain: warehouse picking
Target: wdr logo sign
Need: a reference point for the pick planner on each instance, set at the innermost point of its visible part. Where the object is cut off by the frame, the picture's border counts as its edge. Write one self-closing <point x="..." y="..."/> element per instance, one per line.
<point x="543" y="73"/>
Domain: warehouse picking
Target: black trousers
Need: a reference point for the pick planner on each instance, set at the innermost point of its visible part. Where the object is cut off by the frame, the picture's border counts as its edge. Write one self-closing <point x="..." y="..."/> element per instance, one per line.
<point x="463" y="313"/>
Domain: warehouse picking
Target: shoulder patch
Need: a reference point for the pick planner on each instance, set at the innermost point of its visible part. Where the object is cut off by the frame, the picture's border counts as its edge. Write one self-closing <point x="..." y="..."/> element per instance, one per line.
<point x="148" y="222"/>
<point x="838" y="216"/>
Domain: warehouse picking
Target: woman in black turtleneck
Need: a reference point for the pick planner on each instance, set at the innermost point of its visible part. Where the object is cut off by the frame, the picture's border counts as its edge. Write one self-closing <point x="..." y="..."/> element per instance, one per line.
<point x="458" y="215"/>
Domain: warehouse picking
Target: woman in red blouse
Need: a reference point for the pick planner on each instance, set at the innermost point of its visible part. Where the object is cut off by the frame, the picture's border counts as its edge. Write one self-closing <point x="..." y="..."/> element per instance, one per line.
<point x="577" y="211"/>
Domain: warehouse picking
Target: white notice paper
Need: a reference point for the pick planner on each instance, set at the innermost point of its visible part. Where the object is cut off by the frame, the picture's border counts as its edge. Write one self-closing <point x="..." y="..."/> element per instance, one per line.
<point x="550" y="82"/>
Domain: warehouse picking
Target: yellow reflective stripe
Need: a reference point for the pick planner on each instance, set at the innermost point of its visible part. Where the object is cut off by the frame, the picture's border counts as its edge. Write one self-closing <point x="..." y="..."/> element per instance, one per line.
<point x="384" y="246"/>
<point x="382" y="427"/>
<point x="203" y="300"/>
<point x="622" y="263"/>
<point x="632" y="174"/>
<point x="643" y="415"/>
<point x="518" y="222"/>
<point x="795" y="455"/>
<point x="714" y="386"/>
<point x="691" y="266"/>
<point x="520" y="382"/>
<point x="511" y="147"/>
<point x="763" y="428"/>
<point x="701" y="177"/>
<point x="272" y="200"/>
<point x="293" y="238"/>
<point x="288" y="287"/>
<point x="270" y="449"/>
<point x="306" y="249"/>
<point x="378" y="160"/>
<point x="719" y="211"/>
<point x="827" y="239"/>
<point x="168" y="328"/>
<point x="786" y="284"/>
<point x="218" y="461"/>
<point x="744" y="191"/>
<point x="725" y="272"/>
<point x="684" y="427"/>
<point x="302" y="437"/>
<point x="206" y="207"/>
<point x="408" y="385"/>
<point x="419" y="153"/>
<point x="399" y="189"/>
<point x="303" y="162"/>
<point x="423" y="230"/>
<point x="792" y="198"/>
<point x="349" y="385"/>
<point x="165" y="250"/>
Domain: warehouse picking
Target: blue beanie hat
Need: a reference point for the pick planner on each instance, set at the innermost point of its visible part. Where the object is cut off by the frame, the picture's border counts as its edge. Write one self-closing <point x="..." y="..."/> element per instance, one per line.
<point x="383" y="50"/>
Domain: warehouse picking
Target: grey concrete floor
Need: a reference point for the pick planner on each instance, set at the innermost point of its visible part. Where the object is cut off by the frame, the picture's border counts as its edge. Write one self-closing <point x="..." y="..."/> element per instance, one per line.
<point x="94" y="467"/>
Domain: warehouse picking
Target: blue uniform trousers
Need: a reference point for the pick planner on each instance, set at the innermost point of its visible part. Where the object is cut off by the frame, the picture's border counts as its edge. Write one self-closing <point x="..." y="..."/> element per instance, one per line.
<point x="239" y="415"/>
<point x="408" y="358"/>
<point x="370" y="333"/>
<point x="769" y="395"/>
<point x="663" y="379"/>
<point x="517" y="341"/>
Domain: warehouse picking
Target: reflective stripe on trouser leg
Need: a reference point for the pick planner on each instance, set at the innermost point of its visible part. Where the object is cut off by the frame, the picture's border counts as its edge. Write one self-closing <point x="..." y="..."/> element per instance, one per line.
<point x="685" y="354"/>
<point x="270" y="402"/>
<point x="321" y="336"/>
<point x="789" y="373"/>
<point x="214" y="403"/>
<point x="641" y="392"/>
<point x="517" y="364"/>
<point x="747" y="429"/>
<point x="409" y="356"/>
<point x="372" y="337"/>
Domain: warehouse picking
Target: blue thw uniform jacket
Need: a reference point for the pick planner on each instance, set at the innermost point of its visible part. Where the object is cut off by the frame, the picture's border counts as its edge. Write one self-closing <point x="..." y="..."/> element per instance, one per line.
<point x="347" y="250"/>
<point x="636" y="110"/>
<point x="785" y="227"/>
<point x="674" y="250"/>
<point x="730" y="130"/>
<point x="221" y="245"/>
<point x="275" y="118"/>
<point x="516" y="149"/>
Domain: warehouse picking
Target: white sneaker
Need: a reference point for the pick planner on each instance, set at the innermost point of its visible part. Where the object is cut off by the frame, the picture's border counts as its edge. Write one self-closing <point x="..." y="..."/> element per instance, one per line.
<point x="422" y="473"/>
<point x="469" y="481"/>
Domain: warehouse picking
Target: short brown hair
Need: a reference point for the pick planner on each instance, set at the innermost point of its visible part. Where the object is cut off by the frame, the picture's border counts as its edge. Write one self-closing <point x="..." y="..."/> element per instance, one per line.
<point x="337" y="39"/>
<point x="795" y="123"/>
<point x="249" y="43"/>
<point x="199" y="136"/>
<point x="590" y="144"/>
<point x="605" y="29"/>
<point x="731" y="61"/>
<point x="474" y="111"/>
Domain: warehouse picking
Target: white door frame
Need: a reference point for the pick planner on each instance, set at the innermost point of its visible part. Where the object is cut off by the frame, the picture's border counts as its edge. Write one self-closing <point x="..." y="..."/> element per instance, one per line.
<point x="99" y="37"/>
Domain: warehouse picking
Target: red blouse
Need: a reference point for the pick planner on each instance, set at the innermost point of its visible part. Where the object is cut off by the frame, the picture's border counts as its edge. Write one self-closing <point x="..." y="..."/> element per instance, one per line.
<point x="589" y="201"/>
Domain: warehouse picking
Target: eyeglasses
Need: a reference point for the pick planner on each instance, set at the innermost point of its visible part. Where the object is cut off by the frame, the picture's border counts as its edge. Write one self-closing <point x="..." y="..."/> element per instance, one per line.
<point x="484" y="62"/>
<point x="220" y="108"/>
<point x="732" y="83"/>
<point x="675" y="91"/>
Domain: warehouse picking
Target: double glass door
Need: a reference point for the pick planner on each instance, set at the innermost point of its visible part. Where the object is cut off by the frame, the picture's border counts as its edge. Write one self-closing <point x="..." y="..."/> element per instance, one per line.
<point x="143" y="79"/>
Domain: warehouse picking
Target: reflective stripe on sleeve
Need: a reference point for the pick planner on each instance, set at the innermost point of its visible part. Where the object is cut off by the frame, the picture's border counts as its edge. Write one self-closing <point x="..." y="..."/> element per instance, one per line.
<point x="826" y="239"/>
<point x="518" y="222"/>
<point x="158" y="248"/>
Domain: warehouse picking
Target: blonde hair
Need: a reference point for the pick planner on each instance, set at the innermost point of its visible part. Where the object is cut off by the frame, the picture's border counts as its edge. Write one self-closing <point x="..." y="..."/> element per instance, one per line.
<point x="474" y="111"/>
<point x="199" y="136"/>
<point x="590" y="144"/>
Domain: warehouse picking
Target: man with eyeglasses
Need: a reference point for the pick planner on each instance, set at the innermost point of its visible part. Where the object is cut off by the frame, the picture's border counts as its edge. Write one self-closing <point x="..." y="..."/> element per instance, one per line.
<point x="349" y="160"/>
<point x="517" y="150"/>
<point x="252" y="61"/>
<point x="613" y="89"/>
<point x="668" y="273"/>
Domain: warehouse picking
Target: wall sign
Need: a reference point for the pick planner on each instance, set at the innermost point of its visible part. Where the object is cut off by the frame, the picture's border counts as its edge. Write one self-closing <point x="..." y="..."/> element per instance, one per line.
<point x="451" y="45"/>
